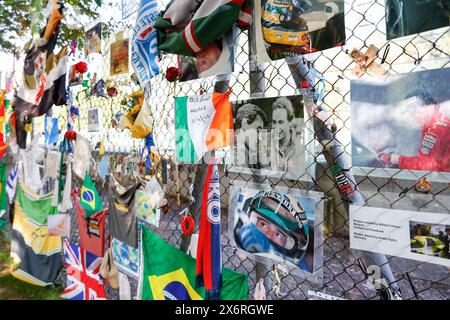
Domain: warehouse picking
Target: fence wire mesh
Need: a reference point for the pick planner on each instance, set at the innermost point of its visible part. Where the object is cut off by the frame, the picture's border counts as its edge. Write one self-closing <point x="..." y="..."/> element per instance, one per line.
<point x="342" y="273"/>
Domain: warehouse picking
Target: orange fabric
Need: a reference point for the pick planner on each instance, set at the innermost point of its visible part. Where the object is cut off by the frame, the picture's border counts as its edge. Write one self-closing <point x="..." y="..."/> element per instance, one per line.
<point x="222" y="122"/>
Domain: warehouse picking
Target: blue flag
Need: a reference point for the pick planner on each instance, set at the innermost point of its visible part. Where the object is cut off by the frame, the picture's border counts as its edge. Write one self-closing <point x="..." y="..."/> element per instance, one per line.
<point x="144" y="43"/>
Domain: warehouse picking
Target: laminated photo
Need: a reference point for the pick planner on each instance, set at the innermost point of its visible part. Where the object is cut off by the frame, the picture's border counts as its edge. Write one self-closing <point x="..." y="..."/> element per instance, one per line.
<point x="277" y="226"/>
<point x="407" y="17"/>
<point x="402" y="121"/>
<point x="75" y="77"/>
<point x="119" y="57"/>
<point x="94" y="120"/>
<point x="216" y="59"/>
<point x="416" y="235"/>
<point x="146" y="208"/>
<point x="125" y="257"/>
<point x="93" y="40"/>
<point x="283" y="28"/>
<point x="59" y="225"/>
<point x="269" y="136"/>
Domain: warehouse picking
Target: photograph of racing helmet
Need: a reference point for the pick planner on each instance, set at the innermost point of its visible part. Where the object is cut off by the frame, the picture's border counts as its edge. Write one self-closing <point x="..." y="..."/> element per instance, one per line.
<point x="286" y="27"/>
<point x="430" y="239"/>
<point x="269" y="135"/>
<point x="402" y="121"/>
<point x="275" y="225"/>
<point x="406" y="17"/>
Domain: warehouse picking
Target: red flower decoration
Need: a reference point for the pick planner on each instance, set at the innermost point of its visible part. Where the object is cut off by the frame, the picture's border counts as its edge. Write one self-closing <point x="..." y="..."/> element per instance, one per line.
<point x="81" y="67"/>
<point x="189" y="228"/>
<point x="172" y="74"/>
<point x="70" y="135"/>
<point x="111" y="92"/>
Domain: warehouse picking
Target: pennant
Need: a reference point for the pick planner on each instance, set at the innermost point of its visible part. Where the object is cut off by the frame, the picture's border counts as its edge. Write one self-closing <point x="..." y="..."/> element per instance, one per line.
<point x="11" y="183"/>
<point x="144" y="43"/>
<point x="202" y="123"/>
<point x="89" y="198"/>
<point x="170" y="274"/>
<point x="209" y="261"/>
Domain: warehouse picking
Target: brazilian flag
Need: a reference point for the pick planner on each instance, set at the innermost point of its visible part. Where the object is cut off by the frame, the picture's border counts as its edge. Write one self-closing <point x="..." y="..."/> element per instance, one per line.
<point x="170" y="274"/>
<point x="89" y="198"/>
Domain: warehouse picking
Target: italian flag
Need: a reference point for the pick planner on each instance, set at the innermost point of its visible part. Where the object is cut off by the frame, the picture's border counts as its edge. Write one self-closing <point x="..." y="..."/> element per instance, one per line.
<point x="202" y="123"/>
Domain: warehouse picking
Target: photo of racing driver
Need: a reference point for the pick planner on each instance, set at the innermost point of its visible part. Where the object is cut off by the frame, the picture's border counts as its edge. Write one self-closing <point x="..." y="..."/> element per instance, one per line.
<point x="275" y="225"/>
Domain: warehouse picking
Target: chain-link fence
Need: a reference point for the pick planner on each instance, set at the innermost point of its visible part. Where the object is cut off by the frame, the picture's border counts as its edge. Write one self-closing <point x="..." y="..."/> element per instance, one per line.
<point x="327" y="143"/>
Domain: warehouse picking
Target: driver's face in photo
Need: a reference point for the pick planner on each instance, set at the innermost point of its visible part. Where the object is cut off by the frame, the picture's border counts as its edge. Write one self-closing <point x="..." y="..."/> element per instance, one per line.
<point x="208" y="57"/>
<point x="270" y="230"/>
<point x="252" y="122"/>
<point x="280" y="123"/>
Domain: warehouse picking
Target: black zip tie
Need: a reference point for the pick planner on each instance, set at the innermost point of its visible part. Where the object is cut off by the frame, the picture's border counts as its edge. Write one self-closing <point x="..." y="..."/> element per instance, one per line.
<point x="386" y="52"/>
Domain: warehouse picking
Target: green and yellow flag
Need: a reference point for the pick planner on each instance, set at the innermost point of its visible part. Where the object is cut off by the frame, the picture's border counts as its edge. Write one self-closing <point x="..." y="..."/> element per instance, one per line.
<point x="170" y="274"/>
<point x="89" y="198"/>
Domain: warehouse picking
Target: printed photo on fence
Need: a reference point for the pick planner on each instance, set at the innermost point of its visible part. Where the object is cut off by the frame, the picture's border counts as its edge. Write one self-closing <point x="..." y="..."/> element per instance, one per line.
<point x="59" y="225"/>
<point x="216" y="59"/>
<point x="94" y="120"/>
<point x="75" y="76"/>
<point x="283" y="28"/>
<point x="430" y="239"/>
<point x="416" y="235"/>
<point x="406" y="17"/>
<point x="93" y="40"/>
<point x="276" y="226"/>
<point x="119" y="57"/>
<point x="402" y="121"/>
<point x="269" y="136"/>
<point x="126" y="257"/>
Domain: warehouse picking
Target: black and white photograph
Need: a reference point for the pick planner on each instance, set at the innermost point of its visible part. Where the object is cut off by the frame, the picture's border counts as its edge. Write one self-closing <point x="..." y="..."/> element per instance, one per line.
<point x="430" y="239"/>
<point x="402" y="121"/>
<point x="276" y="226"/>
<point x="269" y="135"/>
<point x="283" y="28"/>
<point x="94" y="120"/>
<point x="407" y="17"/>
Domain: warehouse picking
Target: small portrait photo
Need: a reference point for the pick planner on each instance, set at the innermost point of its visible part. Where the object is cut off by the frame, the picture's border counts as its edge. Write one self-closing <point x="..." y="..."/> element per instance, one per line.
<point x="402" y="121"/>
<point x="269" y="135"/>
<point x="59" y="225"/>
<point x="93" y="40"/>
<point x="75" y="77"/>
<point x="283" y="28"/>
<point x="119" y="57"/>
<point x="216" y="59"/>
<point x="406" y="17"/>
<point x="94" y="120"/>
<point x="430" y="239"/>
<point x="276" y="226"/>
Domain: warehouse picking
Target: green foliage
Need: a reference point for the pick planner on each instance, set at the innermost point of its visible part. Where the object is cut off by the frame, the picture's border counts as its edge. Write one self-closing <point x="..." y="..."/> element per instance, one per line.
<point x="15" y="21"/>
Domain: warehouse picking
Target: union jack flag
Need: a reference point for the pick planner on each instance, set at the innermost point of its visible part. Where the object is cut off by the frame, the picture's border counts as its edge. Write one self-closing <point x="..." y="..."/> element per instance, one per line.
<point x="83" y="278"/>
